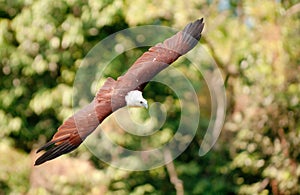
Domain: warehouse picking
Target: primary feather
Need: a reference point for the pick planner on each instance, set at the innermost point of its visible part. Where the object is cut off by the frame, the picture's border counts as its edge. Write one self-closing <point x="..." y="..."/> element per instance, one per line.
<point x="112" y="94"/>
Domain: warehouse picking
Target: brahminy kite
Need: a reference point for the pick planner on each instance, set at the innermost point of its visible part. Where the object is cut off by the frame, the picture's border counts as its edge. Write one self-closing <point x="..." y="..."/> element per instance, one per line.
<point x="126" y="90"/>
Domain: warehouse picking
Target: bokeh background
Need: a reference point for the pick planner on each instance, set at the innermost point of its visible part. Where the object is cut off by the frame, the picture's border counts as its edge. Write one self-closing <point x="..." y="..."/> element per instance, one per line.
<point x="255" y="44"/>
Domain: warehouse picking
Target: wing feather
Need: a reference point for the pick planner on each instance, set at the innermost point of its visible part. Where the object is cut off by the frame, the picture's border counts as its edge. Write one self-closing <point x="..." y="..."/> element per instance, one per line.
<point x="161" y="56"/>
<point x="111" y="95"/>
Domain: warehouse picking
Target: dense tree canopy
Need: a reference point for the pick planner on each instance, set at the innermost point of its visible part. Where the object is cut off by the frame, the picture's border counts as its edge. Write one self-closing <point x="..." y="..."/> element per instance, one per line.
<point x="254" y="43"/>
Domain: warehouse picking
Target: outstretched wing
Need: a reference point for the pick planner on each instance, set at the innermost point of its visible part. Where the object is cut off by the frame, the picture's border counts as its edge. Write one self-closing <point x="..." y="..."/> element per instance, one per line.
<point x="161" y="56"/>
<point x="111" y="95"/>
<point x="76" y="128"/>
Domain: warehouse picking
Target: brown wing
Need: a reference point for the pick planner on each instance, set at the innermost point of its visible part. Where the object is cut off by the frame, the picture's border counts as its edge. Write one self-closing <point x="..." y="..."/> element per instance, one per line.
<point x="111" y="96"/>
<point x="76" y="128"/>
<point x="161" y="56"/>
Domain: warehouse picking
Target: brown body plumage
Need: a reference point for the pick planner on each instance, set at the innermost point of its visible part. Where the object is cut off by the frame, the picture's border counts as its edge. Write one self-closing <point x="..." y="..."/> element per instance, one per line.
<point x="111" y="95"/>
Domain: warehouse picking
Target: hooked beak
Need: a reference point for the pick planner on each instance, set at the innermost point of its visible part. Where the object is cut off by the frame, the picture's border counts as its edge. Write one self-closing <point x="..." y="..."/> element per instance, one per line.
<point x="145" y="105"/>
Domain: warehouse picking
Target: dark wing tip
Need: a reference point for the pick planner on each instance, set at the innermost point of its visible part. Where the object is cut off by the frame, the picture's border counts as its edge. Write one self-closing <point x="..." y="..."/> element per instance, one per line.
<point x="195" y="29"/>
<point x="47" y="145"/>
<point x="54" y="152"/>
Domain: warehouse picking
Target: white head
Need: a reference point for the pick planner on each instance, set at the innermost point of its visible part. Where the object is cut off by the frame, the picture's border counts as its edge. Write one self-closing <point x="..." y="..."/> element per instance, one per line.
<point x="135" y="99"/>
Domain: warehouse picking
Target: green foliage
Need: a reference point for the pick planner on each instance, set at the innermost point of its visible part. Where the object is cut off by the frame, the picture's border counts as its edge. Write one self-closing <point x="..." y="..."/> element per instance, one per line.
<point x="14" y="170"/>
<point x="255" y="43"/>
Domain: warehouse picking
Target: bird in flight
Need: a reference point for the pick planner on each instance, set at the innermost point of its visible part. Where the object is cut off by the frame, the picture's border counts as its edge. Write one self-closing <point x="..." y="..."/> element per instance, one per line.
<point x="125" y="91"/>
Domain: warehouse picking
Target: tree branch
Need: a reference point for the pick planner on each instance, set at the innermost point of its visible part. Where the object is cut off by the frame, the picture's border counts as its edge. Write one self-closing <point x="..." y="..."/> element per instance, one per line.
<point x="293" y="10"/>
<point x="178" y="184"/>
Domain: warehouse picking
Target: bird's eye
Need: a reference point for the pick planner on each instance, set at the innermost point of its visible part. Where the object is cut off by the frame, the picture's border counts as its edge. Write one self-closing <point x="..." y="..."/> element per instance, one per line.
<point x="141" y="102"/>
